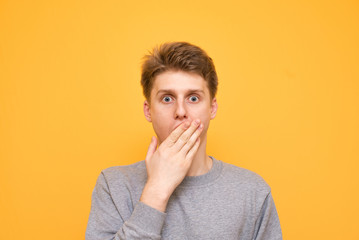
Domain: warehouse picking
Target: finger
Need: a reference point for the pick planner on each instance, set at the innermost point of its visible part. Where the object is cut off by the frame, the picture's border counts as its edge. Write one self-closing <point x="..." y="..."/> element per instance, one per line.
<point x="190" y="143"/>
<point x="193" y="150"/>
<point x="151" y="148"/>
<point x="173" y="137"/>
<point x="183" y="139"/>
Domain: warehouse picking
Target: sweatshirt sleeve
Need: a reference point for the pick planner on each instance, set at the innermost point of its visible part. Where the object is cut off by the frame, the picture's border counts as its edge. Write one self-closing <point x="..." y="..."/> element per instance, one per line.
<point x="267" y="226"/>
<point x="107" y="223"/>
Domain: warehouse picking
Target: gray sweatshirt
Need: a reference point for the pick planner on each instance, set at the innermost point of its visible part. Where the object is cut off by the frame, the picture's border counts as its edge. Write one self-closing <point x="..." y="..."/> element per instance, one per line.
<point x="228" y="202"/>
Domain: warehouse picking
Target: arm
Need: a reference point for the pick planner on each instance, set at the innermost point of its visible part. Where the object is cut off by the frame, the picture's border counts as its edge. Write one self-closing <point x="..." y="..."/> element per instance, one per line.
<point x="107" y="222"/>
<point x="166" y="168"/>
<point x="267" y="225"/>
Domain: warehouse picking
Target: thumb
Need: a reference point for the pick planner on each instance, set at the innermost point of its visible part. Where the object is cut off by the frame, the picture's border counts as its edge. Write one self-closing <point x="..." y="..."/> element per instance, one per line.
<point x="152" y="148"/>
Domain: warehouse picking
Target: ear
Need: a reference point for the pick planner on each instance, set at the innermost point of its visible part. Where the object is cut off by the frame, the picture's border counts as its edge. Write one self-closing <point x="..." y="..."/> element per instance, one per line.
<point x="214" y="107"/>
<point x="146" y="110"/>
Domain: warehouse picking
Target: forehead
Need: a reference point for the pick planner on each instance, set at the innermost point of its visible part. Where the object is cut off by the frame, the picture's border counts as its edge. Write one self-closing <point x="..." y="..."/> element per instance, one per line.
<point x="179" y="81"/>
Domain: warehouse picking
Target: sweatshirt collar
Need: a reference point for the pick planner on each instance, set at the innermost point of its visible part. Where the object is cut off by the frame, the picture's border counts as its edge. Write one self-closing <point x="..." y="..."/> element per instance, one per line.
<point x="204" y="179"/>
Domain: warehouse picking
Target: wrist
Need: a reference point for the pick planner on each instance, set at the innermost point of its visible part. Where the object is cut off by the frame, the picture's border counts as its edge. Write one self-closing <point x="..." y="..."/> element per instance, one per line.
<point x="155" y="196"/>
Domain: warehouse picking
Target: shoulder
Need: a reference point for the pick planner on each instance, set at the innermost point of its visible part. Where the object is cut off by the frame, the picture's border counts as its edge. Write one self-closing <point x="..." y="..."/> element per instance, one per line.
<point x="126" y="170"/>
<point x="131" y="175"/>
<point x="243" y="187"/>
<point x="244" y="178"/>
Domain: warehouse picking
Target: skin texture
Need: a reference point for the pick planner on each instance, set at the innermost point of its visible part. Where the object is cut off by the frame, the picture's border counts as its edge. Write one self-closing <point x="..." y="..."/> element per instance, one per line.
<point x="165" y="116"/>
<point x="177" y="99"/>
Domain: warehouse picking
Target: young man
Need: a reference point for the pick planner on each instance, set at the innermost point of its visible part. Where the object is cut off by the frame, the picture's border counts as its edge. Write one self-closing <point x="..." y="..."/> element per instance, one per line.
<point x="178" y="191"/>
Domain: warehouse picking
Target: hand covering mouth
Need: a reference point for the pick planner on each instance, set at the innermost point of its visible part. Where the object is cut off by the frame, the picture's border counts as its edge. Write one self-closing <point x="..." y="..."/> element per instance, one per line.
<point x="179" y="124"/>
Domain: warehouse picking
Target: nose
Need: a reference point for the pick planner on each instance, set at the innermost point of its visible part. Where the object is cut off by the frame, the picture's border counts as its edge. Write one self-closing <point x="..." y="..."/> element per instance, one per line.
<point x="181" y="111"/>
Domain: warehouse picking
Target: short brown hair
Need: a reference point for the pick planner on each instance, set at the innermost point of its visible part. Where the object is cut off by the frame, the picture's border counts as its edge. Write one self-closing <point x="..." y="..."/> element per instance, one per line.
<point x="178" y="56"/>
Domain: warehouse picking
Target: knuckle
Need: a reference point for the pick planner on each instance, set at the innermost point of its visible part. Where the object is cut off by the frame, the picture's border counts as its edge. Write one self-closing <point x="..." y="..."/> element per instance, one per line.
<point x="184" y="138"/>
<point x="191" y="141"/>
<point x="172" y="137"/>
<point x="195" y="124"/>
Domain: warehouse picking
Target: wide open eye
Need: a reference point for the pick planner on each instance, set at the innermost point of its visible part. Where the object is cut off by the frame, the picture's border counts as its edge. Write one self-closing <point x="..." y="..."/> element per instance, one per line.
<point x="194" y="99"/>
<point x="166" y="99"/>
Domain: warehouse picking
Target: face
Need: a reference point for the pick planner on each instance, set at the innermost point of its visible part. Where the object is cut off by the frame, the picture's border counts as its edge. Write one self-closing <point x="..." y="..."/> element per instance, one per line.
<point x="176" y="97"/>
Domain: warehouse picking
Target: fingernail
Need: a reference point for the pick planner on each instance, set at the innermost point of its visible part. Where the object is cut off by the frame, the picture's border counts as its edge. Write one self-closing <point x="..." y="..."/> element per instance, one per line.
<point x="201" y="126"/>
<point x="187" y="124"/>
<point x="197" y="121"/>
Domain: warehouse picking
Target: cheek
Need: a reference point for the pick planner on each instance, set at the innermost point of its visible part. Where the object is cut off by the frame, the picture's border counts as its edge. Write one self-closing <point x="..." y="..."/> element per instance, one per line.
<point x="160" y="114"/>
<point x="161" y="121"/>
<point x="161" y="131"/>
<point x="202" y="114"/>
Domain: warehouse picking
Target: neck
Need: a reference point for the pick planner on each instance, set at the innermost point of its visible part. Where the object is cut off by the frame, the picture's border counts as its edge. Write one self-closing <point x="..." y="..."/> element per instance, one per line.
<point x="201" y="163"/>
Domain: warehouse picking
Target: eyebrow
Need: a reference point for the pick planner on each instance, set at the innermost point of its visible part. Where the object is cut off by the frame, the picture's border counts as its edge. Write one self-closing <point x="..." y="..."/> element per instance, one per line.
<point x="172" y="92"/>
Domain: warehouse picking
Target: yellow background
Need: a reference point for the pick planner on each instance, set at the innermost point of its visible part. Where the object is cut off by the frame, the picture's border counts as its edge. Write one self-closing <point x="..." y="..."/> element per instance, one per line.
<point x="71" y="104"/>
